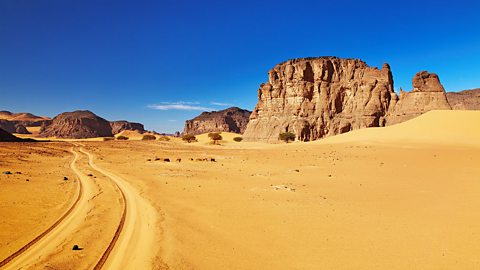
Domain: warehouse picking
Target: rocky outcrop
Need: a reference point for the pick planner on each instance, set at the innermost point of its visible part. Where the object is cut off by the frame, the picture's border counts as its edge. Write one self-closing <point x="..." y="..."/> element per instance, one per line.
<point x="7" y="137"/>
<point x="318" y="97"/>
<point x="229" y="120"/>
<point x="13" y="127"/>
<point x="427" y="94"/>
<point x="465" y="100"/>
<point x="77" y="125"/>
<point x="7" y="126"/>
<point x="119" y="126"/>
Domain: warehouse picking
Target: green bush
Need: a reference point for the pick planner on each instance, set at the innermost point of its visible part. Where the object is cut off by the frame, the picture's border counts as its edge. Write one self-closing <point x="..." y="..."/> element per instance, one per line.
<point x="238" y="139"/>
<point x="148" y="137"/>
<point x="189" y="138"/>
<point x="122" y="138"/>
<point x="287" y="136"/>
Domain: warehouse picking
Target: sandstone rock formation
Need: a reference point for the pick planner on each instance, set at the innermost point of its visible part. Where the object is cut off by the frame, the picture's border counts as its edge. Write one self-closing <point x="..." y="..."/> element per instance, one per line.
<point x="427" y="94"/>
<point x="318" y="97"/>
<point x="465" y="100"/>
<point x="229" y="120"/>
<point x="77" y="125"/>
<point x="119" y="126"/>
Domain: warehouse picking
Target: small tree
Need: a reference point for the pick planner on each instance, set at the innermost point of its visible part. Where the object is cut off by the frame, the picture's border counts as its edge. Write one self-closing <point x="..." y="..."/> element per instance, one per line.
<point x="238" y="139"/>
<point x="189" y="138"/>
<point x="286" y="137"/>
<point x="122" y="138"/>
<point x="215" y="137"/>
<point x="148" y="137"/>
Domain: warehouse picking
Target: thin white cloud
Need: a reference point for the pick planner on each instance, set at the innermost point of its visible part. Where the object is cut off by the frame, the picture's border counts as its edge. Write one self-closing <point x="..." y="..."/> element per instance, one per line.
<point x="181" y="102"/>
<point x="220" y="103"/>
<point x="185" y="106"/>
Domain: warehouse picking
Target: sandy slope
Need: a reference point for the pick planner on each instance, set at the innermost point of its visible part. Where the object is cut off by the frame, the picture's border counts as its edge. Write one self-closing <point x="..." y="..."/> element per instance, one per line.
<point x="434" y="127"/>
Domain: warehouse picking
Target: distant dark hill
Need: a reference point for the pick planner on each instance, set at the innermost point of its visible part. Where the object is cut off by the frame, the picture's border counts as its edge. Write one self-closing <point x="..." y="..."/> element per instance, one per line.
<point x="229" y="120"/>
<point x="7" y="137"/>
<point x="119" y="126"/>
<point x="23" y="119"/>
<point x="85" y="124"/>
<point x="465" y="100"/>
<point x="77" y="125"/>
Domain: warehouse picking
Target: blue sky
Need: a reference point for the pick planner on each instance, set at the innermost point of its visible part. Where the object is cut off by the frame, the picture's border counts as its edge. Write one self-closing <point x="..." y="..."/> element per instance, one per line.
<point x="162" y="62"/>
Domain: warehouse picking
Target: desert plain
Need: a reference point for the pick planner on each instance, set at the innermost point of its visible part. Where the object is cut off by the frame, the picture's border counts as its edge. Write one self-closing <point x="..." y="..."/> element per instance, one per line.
<point x="399" y="197"/>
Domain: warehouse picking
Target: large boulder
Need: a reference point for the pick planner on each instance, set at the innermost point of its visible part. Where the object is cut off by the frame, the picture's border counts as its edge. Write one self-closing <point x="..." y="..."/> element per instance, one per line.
<point x="232" y="119"/>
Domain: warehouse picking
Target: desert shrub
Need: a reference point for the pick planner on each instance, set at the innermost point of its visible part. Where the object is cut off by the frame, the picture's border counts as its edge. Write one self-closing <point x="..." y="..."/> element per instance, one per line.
<point x="148" y="137"/>
<point x="189" y="138"/>
<point x="215" y="137"/>
<point x="287" y="137"/>
<point x="108" y="139"/>
<point x="238" y="139"/>
<point x="164" y="138"/>
<point x="122" y="138"/>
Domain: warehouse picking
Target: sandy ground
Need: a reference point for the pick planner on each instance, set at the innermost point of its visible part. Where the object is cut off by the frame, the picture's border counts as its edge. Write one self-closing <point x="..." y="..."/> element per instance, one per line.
<point x="27" y="207"/>
<point x="402" y="197"/>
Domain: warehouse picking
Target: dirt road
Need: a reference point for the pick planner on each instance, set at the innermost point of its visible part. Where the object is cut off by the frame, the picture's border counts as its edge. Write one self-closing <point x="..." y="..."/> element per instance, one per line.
<point x="136" y="245"/>
<point x="131" y="246"/>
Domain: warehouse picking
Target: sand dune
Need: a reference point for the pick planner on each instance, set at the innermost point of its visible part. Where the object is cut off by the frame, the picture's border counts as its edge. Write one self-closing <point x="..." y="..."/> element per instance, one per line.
<point x="434" y="127"/>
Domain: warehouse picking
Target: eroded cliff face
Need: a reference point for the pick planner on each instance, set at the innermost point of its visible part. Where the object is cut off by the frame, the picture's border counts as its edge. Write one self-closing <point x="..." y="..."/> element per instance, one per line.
<point x="318" y="97"/>
<point x="229" y="120"/>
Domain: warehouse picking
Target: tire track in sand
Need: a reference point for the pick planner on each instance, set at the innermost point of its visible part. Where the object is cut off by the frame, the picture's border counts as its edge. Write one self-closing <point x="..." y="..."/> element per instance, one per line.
<point x="133" y="245"/>
<point x="34" y="249"/>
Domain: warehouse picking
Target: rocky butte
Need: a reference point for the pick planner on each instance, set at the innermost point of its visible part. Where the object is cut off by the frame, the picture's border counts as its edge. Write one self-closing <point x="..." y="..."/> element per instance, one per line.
<point x="232" y="119"/>
<point x="324" y="96"/>
<point x="85" y="124"/>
